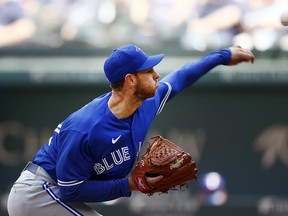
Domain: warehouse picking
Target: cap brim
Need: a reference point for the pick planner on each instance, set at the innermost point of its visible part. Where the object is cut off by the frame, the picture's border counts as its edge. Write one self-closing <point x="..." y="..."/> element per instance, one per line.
<point x="151" y="62"/>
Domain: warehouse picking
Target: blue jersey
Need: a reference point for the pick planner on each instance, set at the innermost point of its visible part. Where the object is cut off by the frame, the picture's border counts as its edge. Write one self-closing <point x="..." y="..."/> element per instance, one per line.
<point x="92" y="151"/>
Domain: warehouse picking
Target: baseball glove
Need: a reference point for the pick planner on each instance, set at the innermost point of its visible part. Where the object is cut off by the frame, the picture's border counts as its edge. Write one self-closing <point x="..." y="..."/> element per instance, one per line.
<point x="164" y="158"/>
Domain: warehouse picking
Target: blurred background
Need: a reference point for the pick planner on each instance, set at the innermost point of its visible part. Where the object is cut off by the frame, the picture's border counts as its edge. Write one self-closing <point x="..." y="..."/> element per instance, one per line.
<point x="234" y="121"/>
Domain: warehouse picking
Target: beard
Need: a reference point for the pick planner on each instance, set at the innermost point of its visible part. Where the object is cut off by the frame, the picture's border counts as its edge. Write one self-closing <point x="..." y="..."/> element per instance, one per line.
<point x="144" y="93"/>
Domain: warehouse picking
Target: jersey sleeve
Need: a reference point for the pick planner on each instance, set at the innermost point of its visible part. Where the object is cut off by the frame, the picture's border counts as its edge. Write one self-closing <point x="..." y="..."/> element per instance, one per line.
<point x="190" y="72"/>
<point x="74" y="167"/>
<point x="162" y="96"/>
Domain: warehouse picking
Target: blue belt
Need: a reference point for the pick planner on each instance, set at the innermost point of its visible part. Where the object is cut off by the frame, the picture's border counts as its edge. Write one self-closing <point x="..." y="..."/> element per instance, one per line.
<point x="31" y="167"/>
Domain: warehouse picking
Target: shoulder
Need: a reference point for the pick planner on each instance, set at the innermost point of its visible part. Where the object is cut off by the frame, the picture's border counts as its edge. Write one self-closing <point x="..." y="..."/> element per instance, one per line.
<point x="159" y="100"/>
<point x="85" y="119"/>
<point x="163" y="91"/>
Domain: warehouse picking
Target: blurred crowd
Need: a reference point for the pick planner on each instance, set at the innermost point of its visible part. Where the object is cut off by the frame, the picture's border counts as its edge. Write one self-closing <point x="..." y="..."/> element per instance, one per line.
<point x="191" y="24"/>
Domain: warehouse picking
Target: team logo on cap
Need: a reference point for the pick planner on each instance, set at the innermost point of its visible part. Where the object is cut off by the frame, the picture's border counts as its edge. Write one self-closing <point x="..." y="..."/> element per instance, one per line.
<point x="138" y="49"/>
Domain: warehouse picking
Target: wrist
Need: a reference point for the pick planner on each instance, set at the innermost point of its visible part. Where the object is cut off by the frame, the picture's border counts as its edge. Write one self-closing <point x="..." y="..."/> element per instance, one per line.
<point x="226" y="54"/>
<point x="131" y="185"/>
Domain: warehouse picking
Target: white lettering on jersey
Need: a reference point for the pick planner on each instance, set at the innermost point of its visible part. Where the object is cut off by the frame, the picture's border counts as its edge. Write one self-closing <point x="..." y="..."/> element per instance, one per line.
<point x="117" y="162"/>
<point x="125" y="151"/>
<point x="118" y="157"/>
<point x="107" y="166"/>
<point x="99" y="168"/>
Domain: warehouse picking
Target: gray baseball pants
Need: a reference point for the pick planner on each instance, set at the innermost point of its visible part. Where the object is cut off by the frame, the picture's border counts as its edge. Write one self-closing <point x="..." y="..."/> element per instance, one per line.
<point x="35" y="193"/>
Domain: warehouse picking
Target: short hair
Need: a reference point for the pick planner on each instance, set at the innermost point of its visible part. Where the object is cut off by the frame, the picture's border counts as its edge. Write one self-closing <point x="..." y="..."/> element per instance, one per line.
<point x="118" y="85"/>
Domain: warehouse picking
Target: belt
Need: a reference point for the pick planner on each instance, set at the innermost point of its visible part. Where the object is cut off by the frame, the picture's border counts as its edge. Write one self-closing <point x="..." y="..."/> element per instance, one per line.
<point x="31" y="167"/>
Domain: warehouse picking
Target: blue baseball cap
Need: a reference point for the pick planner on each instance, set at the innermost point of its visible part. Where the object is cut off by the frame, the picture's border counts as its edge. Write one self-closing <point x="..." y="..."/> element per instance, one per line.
<point x="128" y="59"/>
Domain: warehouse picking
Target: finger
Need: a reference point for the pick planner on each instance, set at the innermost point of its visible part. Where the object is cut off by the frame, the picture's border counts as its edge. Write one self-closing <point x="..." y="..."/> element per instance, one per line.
<point x="154" y="180"/>
<point x="247" y="55"/>
<point x="250" y="57"/>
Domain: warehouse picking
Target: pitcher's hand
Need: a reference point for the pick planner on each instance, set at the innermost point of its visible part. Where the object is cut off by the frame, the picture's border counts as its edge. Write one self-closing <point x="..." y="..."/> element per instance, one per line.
<point x="238" y="55"/>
